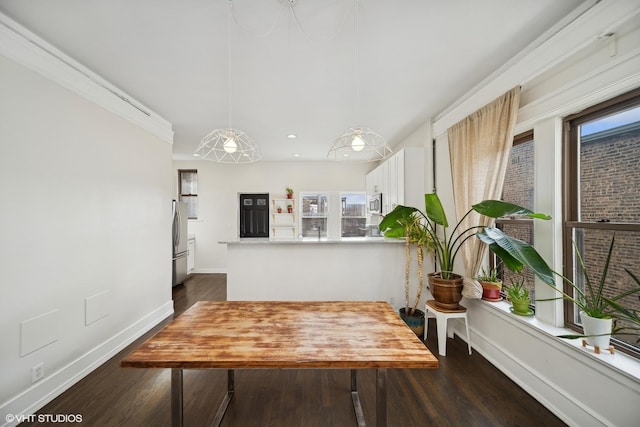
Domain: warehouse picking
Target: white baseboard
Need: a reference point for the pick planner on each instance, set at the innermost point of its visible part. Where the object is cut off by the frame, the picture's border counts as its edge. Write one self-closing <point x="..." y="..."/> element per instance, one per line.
<point x="208" y="270"/>
<point x="43" y="392"/>
<point x="551" y="370"/>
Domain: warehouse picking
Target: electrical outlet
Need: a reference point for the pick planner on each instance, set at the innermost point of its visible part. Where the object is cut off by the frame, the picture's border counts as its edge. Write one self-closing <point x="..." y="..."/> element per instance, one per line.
<point x="37" y="372"/>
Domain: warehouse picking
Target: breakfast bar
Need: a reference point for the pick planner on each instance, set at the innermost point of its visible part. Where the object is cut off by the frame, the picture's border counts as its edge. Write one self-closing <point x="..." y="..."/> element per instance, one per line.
<point x="284" y="334"/>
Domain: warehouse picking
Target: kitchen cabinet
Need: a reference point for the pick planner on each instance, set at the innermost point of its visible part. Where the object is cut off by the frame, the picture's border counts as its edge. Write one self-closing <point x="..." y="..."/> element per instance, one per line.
<point x="283" y="219"/>
<point x="400" y="179"/>
<point x="191" y="254"/>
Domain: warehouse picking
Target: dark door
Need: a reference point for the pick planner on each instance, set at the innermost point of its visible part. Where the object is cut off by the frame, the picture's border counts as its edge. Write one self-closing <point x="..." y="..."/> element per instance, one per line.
<point x="254" y="215"/>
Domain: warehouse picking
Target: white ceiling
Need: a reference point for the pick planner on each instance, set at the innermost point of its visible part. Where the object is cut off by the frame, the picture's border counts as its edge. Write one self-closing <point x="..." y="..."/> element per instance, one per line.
<point x="313" y="68"/>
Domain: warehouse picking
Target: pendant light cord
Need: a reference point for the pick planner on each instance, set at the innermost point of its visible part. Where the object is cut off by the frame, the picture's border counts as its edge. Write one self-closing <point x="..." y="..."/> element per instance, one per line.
<point x="358" y="61"/>
<point x="229" y="63"/>
<point x="331" y="37"/>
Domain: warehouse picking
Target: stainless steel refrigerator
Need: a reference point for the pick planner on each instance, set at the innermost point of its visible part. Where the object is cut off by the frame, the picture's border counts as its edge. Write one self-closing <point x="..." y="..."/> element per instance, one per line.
<point x="179" y="242"/>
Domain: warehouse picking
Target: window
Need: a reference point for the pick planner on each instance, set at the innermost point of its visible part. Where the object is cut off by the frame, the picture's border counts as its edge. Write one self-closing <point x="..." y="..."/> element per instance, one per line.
<point x="602" y="182"/>
<point x="188" y="190"/>
<point x="519" y="189"/>
<point x="314" y="215"/>
<point x="353" y="214"/>
<point x="333" y="214"/>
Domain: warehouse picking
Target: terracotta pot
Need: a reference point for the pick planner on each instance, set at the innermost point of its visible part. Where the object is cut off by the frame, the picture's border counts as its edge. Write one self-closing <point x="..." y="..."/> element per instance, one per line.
<point x="289" y="195"/>
<point x="446" y="292"/>
<point x="491" y="291"/>
<point x="598" y="331"/>
<point x="415" y="322"/>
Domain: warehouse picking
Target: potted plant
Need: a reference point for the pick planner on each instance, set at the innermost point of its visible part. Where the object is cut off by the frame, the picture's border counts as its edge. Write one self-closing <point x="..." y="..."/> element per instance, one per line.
<point x="518" y="294"/>
<point x="445" y="285"/>
<point x="290" y="208"/>
<point x="289" y="191"/>
<point x="597" y="311"/>
<point x="415" y="235"/>
<point x="491" y="285"/>
<point x="279" y="209"/>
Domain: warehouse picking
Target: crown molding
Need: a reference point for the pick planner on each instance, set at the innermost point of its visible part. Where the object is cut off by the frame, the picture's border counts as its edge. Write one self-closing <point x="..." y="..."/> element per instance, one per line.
<point x="24" y="47"/>
<point x="581" y="29"/>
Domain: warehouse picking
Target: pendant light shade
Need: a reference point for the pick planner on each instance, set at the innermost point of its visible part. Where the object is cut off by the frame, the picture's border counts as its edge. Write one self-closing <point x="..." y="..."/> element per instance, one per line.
<point x="228" y="146"/>
<point x="359" y="145"/>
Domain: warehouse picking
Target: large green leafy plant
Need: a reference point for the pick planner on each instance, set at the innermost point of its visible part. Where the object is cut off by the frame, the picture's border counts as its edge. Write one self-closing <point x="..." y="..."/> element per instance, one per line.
<point x="446" y="245"/>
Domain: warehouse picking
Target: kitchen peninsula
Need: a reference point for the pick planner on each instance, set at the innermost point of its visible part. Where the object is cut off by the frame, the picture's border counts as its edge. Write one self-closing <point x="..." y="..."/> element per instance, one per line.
<point x="348" y="269"/>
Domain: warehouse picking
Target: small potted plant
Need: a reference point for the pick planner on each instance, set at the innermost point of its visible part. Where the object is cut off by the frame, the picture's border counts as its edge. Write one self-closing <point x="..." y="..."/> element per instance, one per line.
<point x="279" y="209"/>
<point x="598" y="311"/>
<point x="519" y="297"/>
<point x="491" y="285"/>
<point x="289" y="191"/>
<point x="290" y="208"/>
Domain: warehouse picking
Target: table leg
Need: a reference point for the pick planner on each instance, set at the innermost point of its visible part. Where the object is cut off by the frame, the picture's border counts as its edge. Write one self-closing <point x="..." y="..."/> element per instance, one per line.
<point x="355" y="397"/>
<point x="227" y="398"/>
<point x="176" y="397"/>
<point x="381" y="397"/>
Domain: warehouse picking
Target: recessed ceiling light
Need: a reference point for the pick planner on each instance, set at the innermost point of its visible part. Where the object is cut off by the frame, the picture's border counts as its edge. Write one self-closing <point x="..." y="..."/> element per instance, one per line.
<point x="292" y="136"/>
<point x="296" y="155"/>
<point x="196" y="155"/>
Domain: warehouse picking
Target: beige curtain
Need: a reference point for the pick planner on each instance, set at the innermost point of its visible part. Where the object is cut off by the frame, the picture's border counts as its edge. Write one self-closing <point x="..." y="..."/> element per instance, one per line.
<point x="479" y="148"/>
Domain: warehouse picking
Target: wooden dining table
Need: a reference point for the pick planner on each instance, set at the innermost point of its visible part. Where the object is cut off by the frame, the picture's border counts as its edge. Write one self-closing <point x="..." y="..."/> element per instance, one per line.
<point x="284" y="335"/>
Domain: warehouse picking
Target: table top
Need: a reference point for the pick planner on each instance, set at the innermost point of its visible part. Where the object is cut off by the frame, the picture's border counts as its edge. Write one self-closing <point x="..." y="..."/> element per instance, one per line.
<point x="284" y="334"/>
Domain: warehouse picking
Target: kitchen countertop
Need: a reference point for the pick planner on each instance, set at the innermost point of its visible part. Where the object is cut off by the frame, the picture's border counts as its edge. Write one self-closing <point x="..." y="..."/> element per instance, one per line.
<point x="311" y="240"/>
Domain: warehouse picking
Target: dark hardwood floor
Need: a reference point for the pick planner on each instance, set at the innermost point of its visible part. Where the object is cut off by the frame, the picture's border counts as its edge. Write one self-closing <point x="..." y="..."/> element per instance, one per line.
<point x="464" y="391"/>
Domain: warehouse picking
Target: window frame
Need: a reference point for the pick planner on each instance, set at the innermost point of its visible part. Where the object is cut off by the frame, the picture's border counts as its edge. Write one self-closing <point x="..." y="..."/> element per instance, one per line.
<point x="364" y="216"/>
<point x="181" y="194"/>
<point x="521" y="138"/>
<point x="322" y="233"/>
<point x="571" y="198"/>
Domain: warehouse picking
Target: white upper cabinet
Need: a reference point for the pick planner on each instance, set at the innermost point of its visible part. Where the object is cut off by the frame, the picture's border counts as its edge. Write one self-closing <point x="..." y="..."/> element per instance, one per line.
<point x="400" y="179"/>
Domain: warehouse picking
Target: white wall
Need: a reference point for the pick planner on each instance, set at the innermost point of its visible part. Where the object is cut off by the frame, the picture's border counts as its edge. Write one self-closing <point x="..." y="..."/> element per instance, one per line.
<point x="219" y="185"/>
<point x="86" y="243"/>
<point x="576" y="69"/>
<point x="317" y="271"/>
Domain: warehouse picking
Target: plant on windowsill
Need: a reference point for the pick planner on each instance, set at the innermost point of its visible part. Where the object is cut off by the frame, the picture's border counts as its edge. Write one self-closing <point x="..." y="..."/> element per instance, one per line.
<point x="491" y="285"/>
<point x="445" y="285"/>
<point x="518" y="295"/>
<point x="629" y="317"/>
<point x="599" y="314"/>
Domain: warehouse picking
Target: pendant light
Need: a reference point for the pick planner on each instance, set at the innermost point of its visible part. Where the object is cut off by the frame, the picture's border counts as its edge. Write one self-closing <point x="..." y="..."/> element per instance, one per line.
<point x="359" y="144"/>
<point x="228" y="145"/>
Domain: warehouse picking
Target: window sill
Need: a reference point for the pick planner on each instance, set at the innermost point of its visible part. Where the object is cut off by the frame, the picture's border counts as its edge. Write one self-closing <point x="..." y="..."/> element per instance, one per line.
<point x="618" y="362"/>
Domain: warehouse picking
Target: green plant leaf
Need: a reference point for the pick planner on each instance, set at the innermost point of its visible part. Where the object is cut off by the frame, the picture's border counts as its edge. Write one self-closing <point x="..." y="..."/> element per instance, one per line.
<point x="512" y="263"/>
<point x="398" y="218"/>
<point x="517" y="250"/>
<point x="499" y="208"/>
<point x="434" y="210"/>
